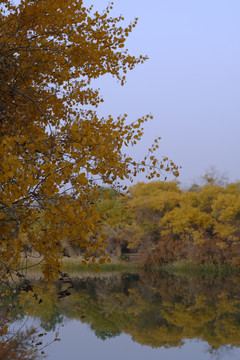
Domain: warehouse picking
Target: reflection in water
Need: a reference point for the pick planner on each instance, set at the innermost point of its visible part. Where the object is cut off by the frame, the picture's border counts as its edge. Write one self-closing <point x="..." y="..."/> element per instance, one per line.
<point x="20" y="346"/>
<point x="154" y="309"/>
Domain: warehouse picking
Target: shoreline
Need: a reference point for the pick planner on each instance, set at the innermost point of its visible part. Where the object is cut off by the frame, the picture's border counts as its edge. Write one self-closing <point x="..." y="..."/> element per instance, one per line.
<point x="179" y="268"/>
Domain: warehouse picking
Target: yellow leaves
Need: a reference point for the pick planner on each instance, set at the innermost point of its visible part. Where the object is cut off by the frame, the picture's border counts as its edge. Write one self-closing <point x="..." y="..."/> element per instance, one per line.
<point x="187" y="225"/>
<point x="82" y="179"/>
<point x="227" y="206"/>
<point x="53" y="150"/>
<point x="198" y="237"/>
<point x="4" y="330"/>
<point x="222" y="245"/>
<point x="102" y="261"/>
<point x="107" y="195"/>
<point x="74" y="127"/>
<point x="224" y="230"/>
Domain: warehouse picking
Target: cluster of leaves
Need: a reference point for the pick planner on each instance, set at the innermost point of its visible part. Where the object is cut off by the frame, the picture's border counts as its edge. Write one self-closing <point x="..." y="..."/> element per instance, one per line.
<point x="53" y="149"/>
<point x="166" y="224"/>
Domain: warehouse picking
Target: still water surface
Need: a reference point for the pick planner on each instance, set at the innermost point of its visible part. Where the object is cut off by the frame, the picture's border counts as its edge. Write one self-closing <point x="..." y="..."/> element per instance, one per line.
<point x="145" y="316"/>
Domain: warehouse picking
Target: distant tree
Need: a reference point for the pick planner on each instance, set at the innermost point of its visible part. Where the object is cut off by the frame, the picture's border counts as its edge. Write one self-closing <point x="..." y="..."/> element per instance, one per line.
<point x="213" y="176"/>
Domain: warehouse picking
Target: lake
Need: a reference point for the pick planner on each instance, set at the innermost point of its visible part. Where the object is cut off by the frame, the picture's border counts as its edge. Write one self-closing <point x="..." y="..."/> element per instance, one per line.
<point x="123" y="315"/>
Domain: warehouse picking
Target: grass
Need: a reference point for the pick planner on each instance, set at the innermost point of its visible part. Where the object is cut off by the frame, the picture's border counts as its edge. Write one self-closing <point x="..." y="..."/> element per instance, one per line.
<point x="190" y="269"/>
<point x="181" y="268"/>
<point x="117" y="267"/>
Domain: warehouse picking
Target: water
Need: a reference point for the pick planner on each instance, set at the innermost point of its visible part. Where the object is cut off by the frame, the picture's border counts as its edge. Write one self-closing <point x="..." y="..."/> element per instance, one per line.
<point x="145" y="316"/>
<point x="78" y="341"/>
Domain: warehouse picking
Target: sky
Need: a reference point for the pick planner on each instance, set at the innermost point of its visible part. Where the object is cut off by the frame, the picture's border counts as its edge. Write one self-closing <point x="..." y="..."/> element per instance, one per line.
<point x="190" y="84"/>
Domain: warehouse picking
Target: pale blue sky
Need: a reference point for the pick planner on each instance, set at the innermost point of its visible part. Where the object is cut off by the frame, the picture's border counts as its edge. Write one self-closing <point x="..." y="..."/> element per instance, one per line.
<point x="190" y="84"/>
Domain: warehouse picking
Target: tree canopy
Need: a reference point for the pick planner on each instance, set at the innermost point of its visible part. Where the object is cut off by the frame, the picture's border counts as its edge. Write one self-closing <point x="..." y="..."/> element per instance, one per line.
<point x="163" y="223"/>
<point x="54" y="148"/>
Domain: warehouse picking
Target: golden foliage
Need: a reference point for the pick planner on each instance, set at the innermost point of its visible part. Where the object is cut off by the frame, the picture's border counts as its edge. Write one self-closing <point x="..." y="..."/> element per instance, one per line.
<point x="168" y="224"/>
<point x="53" y="147"/>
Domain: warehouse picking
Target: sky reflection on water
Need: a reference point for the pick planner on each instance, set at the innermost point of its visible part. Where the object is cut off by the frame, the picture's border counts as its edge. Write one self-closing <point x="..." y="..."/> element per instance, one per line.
<point x="78" y="341"/>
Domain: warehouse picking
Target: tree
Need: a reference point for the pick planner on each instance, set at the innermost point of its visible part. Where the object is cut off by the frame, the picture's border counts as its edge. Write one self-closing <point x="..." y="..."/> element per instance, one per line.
<point x="213" y="176"/>
<point x="52" y="143"/>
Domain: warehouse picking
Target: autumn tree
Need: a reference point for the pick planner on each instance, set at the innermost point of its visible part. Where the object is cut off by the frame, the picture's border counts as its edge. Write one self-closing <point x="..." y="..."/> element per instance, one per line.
<point x="54" y="149"/>
<point x="164" y="223"/>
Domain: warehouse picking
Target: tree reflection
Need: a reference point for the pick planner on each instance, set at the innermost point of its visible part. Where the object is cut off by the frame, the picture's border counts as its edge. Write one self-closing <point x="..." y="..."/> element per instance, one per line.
<point x="103" y="334"/>
<point x="157" y="310"/>
<point x="18" y="338"/>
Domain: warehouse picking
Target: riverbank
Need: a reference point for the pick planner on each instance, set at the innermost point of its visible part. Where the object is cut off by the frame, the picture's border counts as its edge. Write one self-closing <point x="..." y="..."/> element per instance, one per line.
<point x="191" y="269"/>
<point x="182" y="268"/>
<point x="75" y="265"/>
